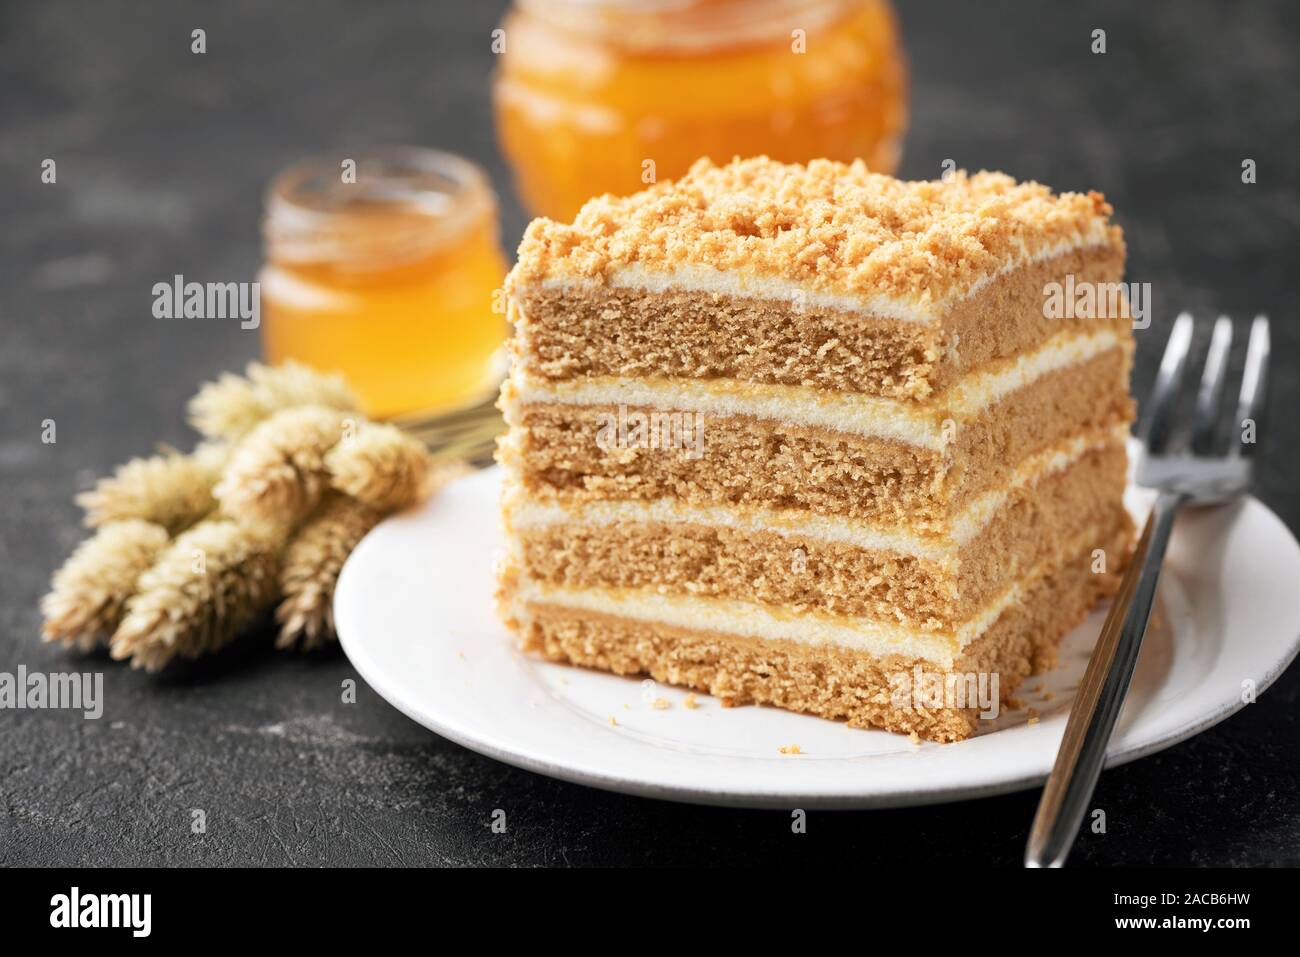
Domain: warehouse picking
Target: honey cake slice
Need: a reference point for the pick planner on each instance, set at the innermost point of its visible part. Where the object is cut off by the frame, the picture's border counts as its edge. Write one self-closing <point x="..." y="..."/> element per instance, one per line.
<point x="799" y="435"/>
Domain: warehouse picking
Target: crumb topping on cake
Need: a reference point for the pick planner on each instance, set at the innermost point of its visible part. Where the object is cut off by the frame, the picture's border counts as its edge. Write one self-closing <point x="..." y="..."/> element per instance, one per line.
<point x="829" y="227"/>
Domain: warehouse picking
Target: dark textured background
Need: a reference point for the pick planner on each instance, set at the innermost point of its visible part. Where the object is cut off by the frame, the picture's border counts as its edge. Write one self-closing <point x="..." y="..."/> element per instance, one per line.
<point x="162" y="156"/>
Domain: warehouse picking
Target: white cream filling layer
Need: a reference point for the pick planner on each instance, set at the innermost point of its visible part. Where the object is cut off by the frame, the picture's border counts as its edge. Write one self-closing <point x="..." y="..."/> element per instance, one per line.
<point x="749" y="620"/>
<point x="522" y="513"/>
<point x="913" y="424"/>
<point x="709" y="280"/>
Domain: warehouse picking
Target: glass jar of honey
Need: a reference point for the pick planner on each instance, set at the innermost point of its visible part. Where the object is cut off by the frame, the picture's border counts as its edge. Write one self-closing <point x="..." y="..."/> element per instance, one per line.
<point x="596" y="96"/>
<point x="384" y="265"/>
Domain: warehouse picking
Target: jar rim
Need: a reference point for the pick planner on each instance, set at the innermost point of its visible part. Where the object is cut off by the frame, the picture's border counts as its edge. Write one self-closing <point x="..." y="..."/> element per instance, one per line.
<point x="695" y="24"/>
<point x="313" y="211"/>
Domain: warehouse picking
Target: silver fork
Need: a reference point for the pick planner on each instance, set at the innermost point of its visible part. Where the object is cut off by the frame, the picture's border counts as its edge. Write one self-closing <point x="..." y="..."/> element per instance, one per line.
<point x="1206" y="471"/>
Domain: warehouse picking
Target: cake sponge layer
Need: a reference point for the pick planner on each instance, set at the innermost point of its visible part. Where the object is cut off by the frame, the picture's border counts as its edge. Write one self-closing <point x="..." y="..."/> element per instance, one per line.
<point x="947" y="583"/>
<point x="826" y="680"/>
<point x="582" y="329"/>
<point x="556" y="452"/>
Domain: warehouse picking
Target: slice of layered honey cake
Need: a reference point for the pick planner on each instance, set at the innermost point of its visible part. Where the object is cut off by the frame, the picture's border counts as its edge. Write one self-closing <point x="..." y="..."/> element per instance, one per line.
<point x="811" y="437"/>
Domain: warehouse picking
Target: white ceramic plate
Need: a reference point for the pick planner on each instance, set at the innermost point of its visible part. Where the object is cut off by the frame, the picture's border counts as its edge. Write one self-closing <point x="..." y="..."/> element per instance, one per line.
<point x="415" y="615"/>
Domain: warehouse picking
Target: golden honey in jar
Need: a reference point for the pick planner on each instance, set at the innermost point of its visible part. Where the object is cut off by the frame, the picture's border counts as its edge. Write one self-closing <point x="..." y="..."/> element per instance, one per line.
<point x="596" y="96"/>
<point x="384" y="265"/>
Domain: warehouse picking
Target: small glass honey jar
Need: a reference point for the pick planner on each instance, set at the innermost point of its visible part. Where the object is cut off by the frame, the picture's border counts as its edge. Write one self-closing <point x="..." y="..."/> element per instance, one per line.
<point x="385" y="266"/>
<point x="596" y="96"/>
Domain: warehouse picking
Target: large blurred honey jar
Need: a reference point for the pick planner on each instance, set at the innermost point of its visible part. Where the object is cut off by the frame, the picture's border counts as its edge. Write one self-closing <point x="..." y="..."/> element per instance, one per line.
<point x="596" y="96"/>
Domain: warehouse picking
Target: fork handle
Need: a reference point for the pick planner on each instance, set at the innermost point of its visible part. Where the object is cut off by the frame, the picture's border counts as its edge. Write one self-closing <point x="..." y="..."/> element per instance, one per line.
<point x="1101" y="695"/>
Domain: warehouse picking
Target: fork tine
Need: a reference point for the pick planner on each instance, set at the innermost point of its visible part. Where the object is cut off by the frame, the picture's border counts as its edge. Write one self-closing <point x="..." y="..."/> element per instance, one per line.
<point x="1254" y="385"/>
<point x="1164" y="395"/>
<point x="1208" y="397"/>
